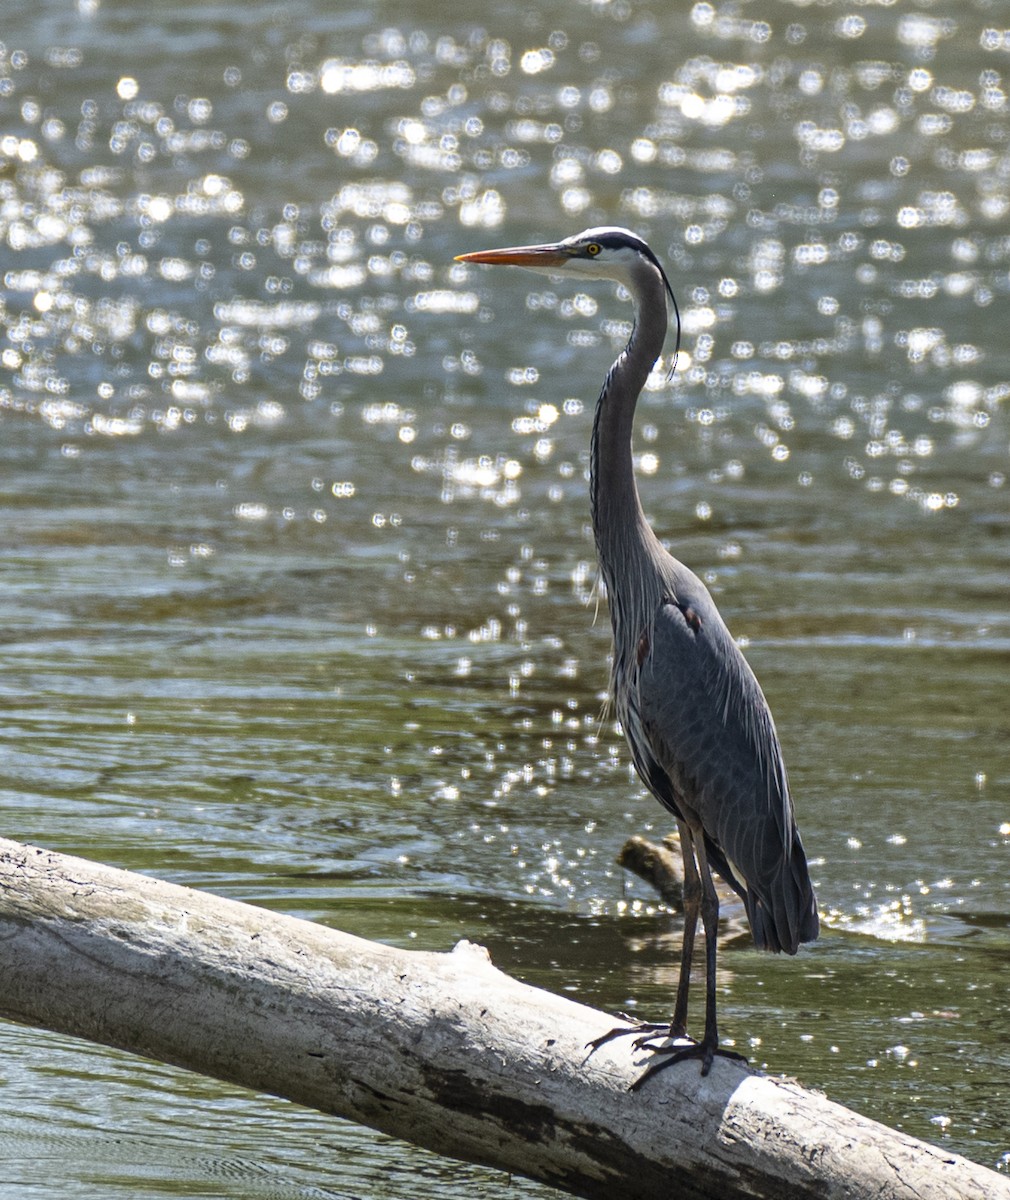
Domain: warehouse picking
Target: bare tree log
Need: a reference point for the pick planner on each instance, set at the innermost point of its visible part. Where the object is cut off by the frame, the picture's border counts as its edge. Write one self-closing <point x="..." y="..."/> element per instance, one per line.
<point x="442" y="1050"/>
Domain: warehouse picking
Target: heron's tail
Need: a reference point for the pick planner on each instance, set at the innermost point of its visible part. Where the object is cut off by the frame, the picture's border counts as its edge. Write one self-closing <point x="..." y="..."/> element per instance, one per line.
<point x="786" y="913"/>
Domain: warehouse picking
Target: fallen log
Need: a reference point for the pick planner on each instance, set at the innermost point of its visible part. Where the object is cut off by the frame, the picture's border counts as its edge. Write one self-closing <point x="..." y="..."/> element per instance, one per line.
<point x="442" y="1050"/>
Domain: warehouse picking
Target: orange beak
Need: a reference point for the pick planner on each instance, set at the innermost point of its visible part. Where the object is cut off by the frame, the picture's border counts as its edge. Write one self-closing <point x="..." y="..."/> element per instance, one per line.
<point x="518" y="256"/>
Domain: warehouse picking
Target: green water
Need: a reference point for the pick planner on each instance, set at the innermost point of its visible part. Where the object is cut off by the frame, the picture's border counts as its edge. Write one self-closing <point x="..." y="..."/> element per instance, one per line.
<point x="298" y="588"/>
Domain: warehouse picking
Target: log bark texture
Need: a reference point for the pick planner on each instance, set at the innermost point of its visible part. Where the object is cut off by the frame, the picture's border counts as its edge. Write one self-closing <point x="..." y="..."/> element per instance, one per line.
<point x="442" y="1050"/>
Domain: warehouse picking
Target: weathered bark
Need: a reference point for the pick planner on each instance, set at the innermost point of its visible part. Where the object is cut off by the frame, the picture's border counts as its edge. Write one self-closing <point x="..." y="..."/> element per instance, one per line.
<point x="439" y="1049"/>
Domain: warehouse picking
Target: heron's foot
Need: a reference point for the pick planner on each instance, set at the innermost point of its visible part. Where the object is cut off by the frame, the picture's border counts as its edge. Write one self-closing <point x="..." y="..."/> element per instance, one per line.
<point x="705" y="1050"/>
<point x="645" y="1031"/>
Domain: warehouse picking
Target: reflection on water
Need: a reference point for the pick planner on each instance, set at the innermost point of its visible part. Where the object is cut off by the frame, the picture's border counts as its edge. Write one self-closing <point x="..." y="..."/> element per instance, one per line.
<point x="299" y="593"/>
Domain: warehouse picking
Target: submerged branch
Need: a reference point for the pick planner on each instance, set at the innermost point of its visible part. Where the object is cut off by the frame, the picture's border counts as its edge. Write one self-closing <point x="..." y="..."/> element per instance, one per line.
<point x="659" y="864"/>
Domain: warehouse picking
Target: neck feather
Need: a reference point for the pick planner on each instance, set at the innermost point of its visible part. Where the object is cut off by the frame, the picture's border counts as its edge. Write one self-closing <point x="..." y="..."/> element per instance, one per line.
<point x="628" y="550"/>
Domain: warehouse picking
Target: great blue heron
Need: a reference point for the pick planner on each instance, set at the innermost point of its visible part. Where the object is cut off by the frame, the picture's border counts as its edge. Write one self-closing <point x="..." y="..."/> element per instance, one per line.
<point x="698" y="725"/>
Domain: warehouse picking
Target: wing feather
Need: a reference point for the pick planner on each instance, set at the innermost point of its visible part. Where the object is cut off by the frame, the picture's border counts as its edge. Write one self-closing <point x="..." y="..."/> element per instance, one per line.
<point x="701" y="717"/>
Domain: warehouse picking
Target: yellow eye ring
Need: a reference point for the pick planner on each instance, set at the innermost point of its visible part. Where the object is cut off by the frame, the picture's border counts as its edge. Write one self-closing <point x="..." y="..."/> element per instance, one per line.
<point x="593" y="249"/>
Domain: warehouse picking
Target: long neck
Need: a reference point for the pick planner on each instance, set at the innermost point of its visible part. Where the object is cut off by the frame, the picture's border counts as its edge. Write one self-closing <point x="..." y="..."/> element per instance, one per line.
<point x="625" y="544"/>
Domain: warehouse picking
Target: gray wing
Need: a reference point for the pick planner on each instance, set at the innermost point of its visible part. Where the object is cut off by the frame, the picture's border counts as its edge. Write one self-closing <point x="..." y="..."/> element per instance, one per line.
<point x="706" y="724"/>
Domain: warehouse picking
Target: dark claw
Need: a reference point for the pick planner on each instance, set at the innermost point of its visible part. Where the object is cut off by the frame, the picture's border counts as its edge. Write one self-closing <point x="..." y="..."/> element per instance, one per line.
<point x="661" y="1032"/>
<point x="646" y="1030"/>
<point x="701" y="1050"/>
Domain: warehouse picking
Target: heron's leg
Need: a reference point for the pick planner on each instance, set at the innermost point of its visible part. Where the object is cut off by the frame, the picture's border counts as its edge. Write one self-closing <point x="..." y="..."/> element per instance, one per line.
<point x="649" y="1031"/>
<point x="710" y="922"/>
<point x="692" y="905"/>
<point x="708" y="1047"/>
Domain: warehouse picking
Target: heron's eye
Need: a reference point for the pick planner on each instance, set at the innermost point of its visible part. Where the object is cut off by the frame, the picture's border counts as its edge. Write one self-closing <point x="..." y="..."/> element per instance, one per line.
<point x="593" y="249"/>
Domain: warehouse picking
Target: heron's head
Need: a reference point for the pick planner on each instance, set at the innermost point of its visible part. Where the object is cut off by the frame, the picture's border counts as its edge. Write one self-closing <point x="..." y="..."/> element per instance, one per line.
<point x="607" y="252"/>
